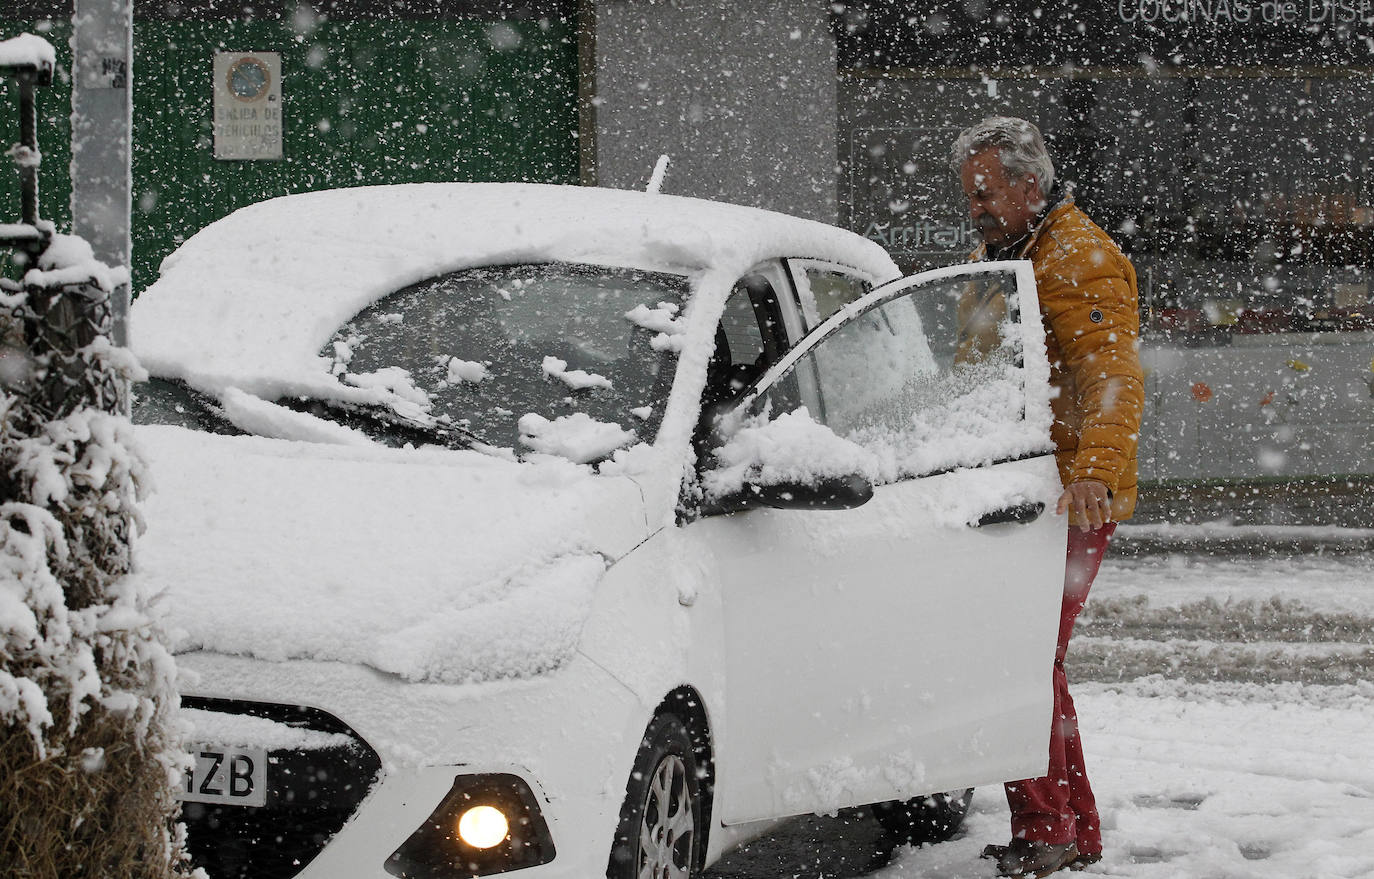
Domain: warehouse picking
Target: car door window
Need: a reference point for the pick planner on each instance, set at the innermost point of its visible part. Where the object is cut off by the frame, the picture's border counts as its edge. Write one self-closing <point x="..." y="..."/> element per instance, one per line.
<point x="750" y="338"/>
<point x="926" y="380"/>
<point x="823" y="289"/>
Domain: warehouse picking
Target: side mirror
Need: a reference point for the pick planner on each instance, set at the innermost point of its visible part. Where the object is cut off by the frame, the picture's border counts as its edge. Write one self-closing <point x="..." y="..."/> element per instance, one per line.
<point x="790" y="462"/>
<point x="829" y="493"/>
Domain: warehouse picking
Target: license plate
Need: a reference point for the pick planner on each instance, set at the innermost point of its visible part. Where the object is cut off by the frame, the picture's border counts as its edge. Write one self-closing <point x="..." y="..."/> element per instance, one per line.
<point x="226" y="776"/>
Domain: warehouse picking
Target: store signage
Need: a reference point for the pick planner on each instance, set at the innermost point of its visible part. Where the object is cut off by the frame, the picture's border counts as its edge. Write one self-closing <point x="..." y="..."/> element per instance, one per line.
<point x="1051" y="35"/>
<point x="1221" y="12"/>
<point x="922" y="235"/>
<point x="248" y="121"/>
<point x="903" y="196"/>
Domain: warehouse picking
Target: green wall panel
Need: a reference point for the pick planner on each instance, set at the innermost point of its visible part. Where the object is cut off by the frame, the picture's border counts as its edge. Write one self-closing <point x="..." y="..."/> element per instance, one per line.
<point x="54" y="132"/>
<point x="364" y="102"/>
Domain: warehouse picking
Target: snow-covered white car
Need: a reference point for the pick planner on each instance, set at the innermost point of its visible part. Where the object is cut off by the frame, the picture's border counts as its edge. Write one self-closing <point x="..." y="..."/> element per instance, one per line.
<point x="580" y="531"/>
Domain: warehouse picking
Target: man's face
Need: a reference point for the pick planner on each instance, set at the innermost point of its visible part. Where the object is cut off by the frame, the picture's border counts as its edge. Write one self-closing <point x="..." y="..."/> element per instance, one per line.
<point x="1001" y="208"/>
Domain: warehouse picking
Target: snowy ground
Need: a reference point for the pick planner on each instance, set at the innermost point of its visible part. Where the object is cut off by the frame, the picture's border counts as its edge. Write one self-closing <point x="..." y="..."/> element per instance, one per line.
<point x="1210" y="781"/>
<point x="1247" y="750"/>
<point x="1227" y="708"/>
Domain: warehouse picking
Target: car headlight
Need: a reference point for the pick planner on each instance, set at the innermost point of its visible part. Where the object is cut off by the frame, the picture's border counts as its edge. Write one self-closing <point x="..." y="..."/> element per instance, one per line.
<point x="486" y="824"/>
<point x="483" y="827"/>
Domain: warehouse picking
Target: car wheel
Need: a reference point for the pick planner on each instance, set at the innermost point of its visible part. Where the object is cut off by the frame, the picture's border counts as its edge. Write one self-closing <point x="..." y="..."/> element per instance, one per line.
<point x="660" y="827"/>
<point x="928" y="819"/>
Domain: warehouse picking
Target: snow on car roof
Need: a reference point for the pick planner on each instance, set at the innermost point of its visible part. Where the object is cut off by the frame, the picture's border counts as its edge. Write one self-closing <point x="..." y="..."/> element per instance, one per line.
<point x="250" y="300"/>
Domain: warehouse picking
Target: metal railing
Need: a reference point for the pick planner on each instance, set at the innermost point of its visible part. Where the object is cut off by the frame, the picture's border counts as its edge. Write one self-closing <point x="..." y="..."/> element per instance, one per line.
<point x="28" y="78"/>
<point x="56" y="322"/>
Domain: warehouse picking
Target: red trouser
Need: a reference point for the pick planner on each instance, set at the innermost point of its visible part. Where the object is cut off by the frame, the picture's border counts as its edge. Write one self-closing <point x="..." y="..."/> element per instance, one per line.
<point x="1060" y="807"/>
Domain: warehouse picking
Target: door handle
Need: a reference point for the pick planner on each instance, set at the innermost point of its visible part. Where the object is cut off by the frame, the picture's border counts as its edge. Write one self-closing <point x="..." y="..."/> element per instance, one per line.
<point x="1021" y="513"/>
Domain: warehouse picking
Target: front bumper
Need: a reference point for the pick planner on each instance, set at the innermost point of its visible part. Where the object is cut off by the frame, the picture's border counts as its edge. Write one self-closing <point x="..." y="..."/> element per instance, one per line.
<point x="569" y="737"/>
<point x="405" y="801"/>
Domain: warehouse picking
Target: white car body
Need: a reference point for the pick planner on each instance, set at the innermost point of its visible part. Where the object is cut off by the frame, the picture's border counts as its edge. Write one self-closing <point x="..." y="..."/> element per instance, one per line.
<point x="466" y="614"/>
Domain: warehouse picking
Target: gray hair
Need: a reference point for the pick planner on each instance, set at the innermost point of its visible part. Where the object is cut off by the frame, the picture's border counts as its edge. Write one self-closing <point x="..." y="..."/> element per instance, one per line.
<point x="1019" y="145"/>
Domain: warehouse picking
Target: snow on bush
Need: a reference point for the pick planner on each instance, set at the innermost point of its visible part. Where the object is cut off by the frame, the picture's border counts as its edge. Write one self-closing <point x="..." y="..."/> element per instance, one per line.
<point x="91" y="750"/>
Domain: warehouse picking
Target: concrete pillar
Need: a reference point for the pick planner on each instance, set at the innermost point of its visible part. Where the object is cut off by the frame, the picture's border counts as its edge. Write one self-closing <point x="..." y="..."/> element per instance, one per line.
<point x="102" y="122"/>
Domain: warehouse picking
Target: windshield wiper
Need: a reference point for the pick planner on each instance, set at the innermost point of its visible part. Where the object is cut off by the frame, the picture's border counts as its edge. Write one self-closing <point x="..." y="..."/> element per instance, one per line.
<point x="173" y="402"/>
<point x="381" y="422"/>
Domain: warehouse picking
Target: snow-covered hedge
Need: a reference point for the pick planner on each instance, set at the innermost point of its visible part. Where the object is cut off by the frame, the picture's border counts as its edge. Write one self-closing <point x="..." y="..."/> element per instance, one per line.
<point x="89" y="742"/>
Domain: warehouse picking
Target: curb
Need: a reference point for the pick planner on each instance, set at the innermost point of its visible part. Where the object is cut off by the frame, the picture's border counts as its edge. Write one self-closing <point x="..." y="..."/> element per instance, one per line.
<point x="1241" y="540"/>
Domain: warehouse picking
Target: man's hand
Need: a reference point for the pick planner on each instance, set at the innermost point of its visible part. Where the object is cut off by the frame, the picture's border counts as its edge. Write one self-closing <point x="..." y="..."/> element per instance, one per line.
<point x="1090" y="500"/>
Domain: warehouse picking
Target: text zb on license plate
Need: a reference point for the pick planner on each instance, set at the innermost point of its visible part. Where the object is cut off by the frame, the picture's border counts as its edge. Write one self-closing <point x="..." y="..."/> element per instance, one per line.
<point x="226" y="776"/>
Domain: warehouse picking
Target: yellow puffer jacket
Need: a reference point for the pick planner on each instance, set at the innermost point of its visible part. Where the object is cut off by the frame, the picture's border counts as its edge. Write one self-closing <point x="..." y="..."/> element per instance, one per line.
<point x="1088" y="300"/>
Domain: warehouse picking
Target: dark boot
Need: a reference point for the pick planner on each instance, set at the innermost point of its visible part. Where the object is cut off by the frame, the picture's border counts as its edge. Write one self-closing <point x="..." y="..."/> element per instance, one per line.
<point x="1085" y="860"/>
<point x="1024" y="858"/>
<point x="1082" y="862"/>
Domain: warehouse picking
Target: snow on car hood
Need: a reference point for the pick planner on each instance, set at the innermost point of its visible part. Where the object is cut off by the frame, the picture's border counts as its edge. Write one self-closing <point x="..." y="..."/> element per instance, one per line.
<point x="250" y="300"/>
<point x="431" y="565"/>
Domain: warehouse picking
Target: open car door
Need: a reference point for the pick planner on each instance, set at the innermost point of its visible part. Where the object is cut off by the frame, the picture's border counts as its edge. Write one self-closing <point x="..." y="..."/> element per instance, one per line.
<point x="904" y="646"/>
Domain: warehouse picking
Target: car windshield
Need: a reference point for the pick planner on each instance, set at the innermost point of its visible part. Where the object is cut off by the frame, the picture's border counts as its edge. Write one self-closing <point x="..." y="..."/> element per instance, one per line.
<point x="522" y="356"/>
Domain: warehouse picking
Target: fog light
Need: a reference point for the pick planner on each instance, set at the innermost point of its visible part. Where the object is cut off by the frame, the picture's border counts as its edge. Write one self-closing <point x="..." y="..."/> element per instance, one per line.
<point x="487" y="824"/>
<point x="483" y="827"/>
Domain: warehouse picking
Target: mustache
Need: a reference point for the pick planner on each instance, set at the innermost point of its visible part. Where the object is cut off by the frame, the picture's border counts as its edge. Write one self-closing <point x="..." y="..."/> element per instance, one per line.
<point x="987" y="221"/>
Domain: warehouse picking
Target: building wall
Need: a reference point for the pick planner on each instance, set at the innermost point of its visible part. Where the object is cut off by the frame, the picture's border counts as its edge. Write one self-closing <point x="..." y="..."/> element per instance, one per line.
<point x="1230" y="156"/>
<point x="449" y="90"/>
<point x="740" y="96"/>
<point x="366" y="99"/>
<point x="1298" y="405"/>
<point x="1239" y="256"/>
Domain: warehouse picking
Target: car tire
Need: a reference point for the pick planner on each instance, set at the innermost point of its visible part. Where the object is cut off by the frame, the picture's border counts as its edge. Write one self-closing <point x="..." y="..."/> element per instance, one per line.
<point x="923" y="820"/>
<point x="661" y="829"/>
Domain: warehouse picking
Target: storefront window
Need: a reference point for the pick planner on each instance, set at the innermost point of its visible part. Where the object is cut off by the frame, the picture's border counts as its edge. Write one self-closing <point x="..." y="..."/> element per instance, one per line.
<point x="1225" y="144"/>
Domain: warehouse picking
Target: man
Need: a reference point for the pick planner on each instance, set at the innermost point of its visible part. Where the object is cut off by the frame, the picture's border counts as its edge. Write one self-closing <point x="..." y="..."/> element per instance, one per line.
<point x="1088" y="301"/>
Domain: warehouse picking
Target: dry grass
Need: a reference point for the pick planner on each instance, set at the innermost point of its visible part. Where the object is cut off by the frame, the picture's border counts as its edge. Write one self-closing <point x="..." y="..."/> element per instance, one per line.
<point x="98" y="807"/>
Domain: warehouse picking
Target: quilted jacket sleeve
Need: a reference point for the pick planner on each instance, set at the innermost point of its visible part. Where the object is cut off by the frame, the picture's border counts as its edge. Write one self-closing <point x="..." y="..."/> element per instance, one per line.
<point x="1088" y="294"/>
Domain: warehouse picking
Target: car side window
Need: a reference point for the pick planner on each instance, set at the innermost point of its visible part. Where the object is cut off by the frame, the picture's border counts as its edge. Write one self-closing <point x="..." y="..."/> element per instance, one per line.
<point x="749" y="339"/>
<point x="823" y="289"/>
<point x="925" y="382"/>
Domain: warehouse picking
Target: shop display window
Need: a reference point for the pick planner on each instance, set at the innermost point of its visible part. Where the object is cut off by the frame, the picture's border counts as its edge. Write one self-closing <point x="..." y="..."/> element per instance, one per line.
<point x="1233" y="160"/>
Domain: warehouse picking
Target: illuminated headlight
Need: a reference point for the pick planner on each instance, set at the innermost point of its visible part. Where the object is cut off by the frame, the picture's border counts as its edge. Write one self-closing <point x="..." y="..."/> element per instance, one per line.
<point x="483" y="827"/>
<point x="487" y="824"/>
